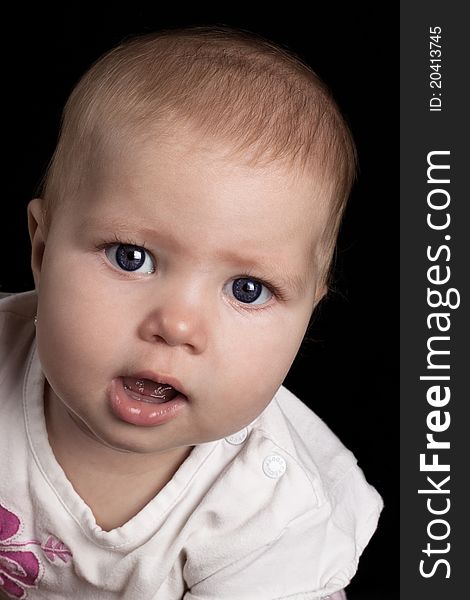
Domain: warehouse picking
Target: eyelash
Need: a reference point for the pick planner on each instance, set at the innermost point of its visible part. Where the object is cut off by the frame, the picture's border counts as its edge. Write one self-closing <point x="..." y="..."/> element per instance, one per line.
<point x="107" y="243"/>
<point x="278" y="291"/>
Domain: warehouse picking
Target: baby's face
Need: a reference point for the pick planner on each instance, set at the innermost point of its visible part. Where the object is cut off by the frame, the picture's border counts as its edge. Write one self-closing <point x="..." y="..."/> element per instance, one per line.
<point x="177" y="265"/>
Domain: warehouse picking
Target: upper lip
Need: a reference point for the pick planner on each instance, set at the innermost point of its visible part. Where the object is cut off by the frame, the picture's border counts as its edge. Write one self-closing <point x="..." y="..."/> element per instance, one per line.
<point x="160" y="378"/>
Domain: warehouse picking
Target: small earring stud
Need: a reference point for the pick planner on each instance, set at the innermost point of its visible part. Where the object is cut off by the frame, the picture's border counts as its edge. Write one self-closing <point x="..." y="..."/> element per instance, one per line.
<point x="35" y="320"/>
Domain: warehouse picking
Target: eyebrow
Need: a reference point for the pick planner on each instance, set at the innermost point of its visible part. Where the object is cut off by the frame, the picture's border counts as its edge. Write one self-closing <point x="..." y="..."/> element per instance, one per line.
<point x="286" y="281"/>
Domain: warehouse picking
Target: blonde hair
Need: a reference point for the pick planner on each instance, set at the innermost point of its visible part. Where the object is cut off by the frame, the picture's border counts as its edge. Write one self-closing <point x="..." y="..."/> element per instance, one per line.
<point x="229" y="83"/>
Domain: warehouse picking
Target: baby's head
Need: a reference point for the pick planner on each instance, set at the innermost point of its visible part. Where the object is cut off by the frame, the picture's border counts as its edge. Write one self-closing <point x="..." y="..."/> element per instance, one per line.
<point x="261" y="104"/>
<point x="186" y="229"/>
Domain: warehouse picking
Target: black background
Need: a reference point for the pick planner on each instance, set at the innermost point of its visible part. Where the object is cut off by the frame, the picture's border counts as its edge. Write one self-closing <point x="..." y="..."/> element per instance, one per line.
<point x="348" y="371"/>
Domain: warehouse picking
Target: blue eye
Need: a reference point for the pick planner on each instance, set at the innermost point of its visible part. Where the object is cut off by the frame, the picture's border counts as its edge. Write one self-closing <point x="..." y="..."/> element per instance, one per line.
<point x="130" y="258"/>
<point x="249" y="291"/>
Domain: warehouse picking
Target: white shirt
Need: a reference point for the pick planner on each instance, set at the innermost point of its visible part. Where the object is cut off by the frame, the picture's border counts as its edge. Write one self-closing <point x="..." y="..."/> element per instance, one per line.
<point x="279" y="510"/>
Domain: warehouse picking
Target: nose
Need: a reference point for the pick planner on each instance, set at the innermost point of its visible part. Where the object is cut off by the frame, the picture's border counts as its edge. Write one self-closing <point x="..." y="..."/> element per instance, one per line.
<point x="177" y="323"/>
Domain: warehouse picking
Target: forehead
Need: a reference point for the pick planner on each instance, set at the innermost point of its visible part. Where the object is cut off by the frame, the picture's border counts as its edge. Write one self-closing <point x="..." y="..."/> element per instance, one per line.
<point x="171" y="159"/>
<point x="194" y="189"/>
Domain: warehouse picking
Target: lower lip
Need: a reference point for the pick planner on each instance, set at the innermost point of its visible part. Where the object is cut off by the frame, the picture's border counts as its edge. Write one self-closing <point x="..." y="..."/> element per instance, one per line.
<point x="140" y="412"/>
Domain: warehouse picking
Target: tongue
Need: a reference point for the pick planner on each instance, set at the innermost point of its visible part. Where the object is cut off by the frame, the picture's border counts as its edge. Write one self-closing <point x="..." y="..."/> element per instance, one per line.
<point x="150" y="390"/>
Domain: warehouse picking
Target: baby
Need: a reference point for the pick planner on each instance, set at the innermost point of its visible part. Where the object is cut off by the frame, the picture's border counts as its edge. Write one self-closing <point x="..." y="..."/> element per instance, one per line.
<point x="181" y="243"/>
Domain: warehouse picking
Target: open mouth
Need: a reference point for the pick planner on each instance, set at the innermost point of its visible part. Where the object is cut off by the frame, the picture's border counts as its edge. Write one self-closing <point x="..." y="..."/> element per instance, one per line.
<point x="144" y="402"/>
<point x="147" y="390"/>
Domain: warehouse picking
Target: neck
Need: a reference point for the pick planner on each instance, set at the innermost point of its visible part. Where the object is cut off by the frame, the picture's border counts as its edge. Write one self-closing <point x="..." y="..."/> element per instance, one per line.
<point x="74" y="444"/>
<point x="115" y="484"/>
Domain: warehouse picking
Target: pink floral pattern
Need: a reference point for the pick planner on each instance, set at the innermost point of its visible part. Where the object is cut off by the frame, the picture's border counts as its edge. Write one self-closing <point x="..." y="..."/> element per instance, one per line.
<point x="20" y="568"/>
<point x="54" y="548"/>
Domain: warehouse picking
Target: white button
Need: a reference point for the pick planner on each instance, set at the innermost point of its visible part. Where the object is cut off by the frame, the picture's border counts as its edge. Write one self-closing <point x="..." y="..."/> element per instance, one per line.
<point x="274" y="466"/>
<point x="237" y="438"/>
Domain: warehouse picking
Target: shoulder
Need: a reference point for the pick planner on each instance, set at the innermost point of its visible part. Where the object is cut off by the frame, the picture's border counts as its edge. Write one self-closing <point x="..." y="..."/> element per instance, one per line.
<point x="18" y="306"/>
<point x="289" y="488"/>
<point x="16" y="329"/>
<point x="314" y="454"/>
<point x="325" y="462"/>
<point x="310" y="443"/>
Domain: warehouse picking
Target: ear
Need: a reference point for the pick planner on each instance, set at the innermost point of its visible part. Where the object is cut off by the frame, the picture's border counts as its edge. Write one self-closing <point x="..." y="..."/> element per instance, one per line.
<point x="36" y="234"/>
<point x="320" y="293"/>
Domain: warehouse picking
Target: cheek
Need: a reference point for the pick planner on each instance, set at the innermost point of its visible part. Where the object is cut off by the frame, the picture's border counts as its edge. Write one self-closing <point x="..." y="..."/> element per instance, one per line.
<point x="75" y="323"/>
<point x="255" y="360"/>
